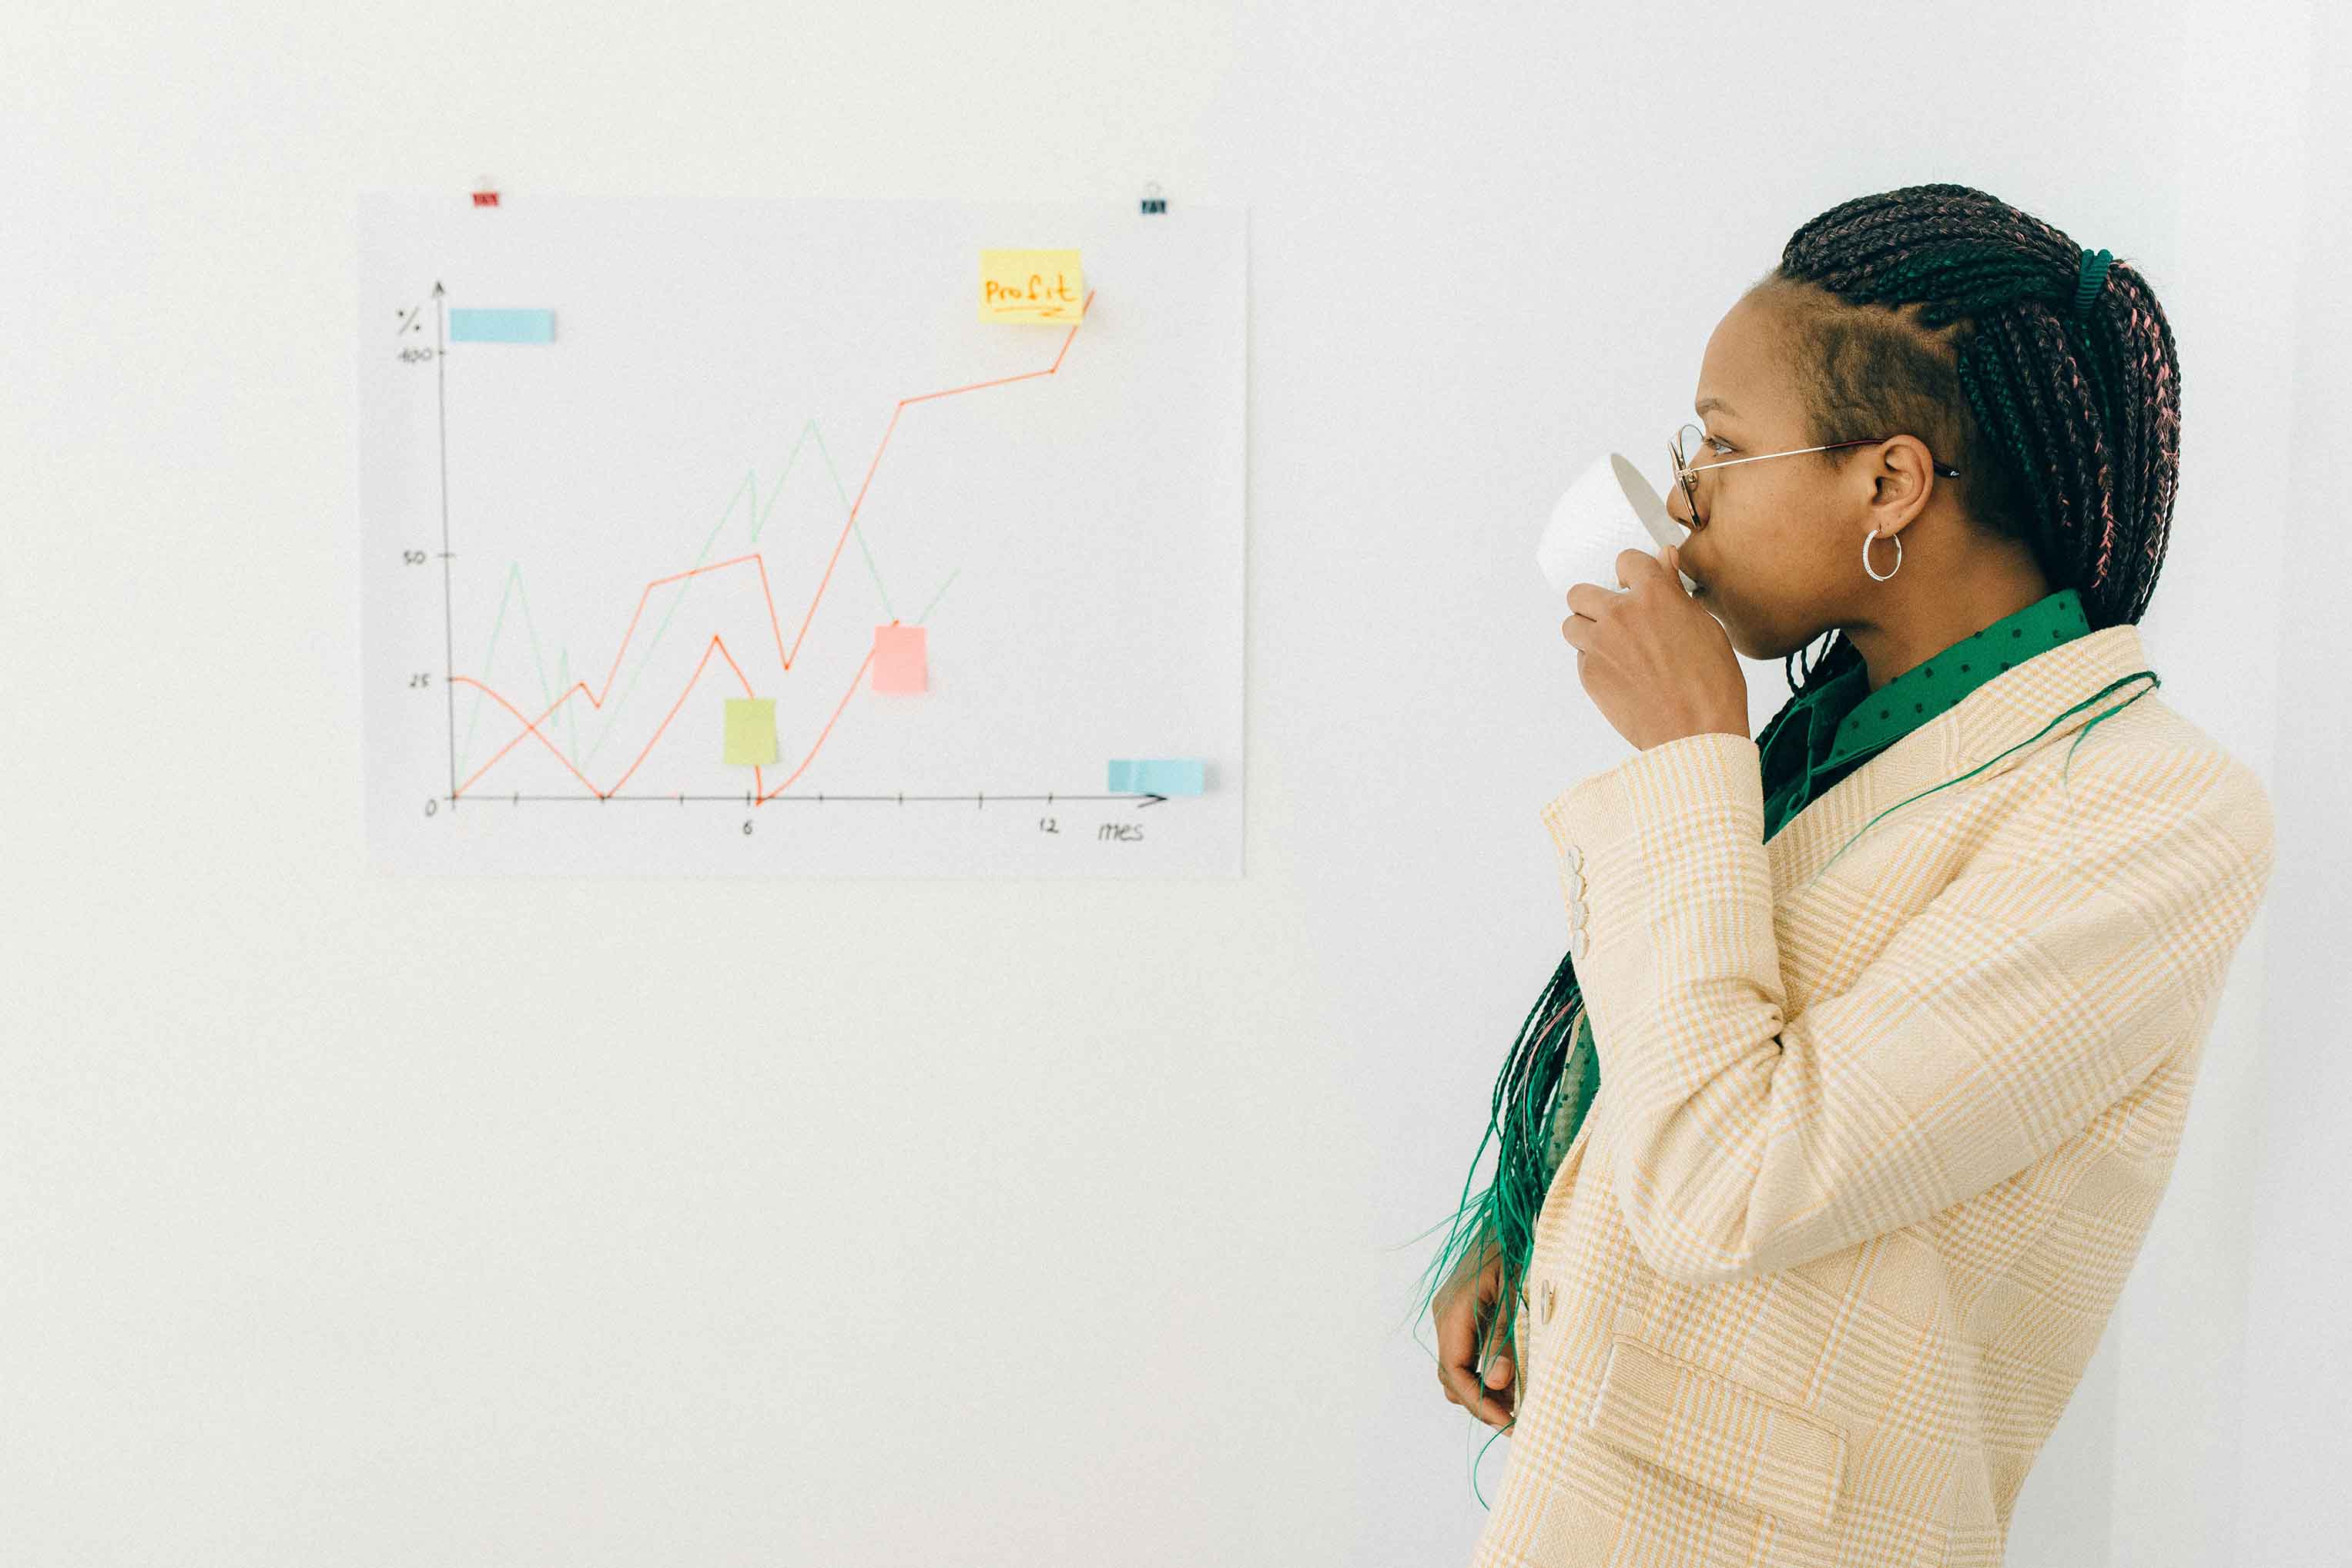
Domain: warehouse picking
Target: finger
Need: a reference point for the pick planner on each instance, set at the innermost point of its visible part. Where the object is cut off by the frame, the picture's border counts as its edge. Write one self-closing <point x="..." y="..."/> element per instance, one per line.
<point x="1593" y="600"/>
<point x="1505" y="1394"/>
<point x="1632" y="564"/>
<point x="1457" y="1334"/>
<point x="1495" y="1392"/>
<point x="1466" y="1386"/>
<point x="1491" y="1407"/>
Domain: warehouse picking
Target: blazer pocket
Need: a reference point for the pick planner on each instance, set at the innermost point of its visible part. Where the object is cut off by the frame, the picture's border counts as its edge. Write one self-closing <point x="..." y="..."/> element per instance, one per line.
<point x="1711" y="1429"/>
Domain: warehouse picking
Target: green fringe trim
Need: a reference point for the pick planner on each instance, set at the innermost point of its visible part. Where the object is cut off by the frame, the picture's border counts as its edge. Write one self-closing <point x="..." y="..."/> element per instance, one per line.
<point x="1521" y="1122"/>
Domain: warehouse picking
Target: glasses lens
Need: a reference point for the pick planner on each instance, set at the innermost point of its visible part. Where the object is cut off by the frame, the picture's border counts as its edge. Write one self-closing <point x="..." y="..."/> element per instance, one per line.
<point x="1686" y="444"/>
<point x="1689" y="450"/>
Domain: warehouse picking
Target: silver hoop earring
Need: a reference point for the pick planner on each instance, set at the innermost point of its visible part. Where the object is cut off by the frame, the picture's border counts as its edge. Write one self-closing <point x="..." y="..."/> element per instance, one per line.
<point x="1865" y="556"/>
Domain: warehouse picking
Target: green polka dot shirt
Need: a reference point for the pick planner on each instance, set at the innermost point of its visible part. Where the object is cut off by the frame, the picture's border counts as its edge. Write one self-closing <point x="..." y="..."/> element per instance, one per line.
<point x="1841" y="723"/>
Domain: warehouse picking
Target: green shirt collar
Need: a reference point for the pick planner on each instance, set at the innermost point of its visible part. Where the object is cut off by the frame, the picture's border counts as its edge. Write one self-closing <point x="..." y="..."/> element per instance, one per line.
<point x="1845" y="718"/>
<point x="1874" y="719"/>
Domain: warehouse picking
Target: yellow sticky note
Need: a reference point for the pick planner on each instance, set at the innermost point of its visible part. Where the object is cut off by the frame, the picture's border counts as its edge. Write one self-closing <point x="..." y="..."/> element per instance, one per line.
<point x="1031" y="286"/>
<point x="751" y="729"/>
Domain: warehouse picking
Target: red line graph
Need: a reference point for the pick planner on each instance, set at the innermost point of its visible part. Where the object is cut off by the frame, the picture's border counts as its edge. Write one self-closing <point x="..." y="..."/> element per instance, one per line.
<point x="530" y="726"/>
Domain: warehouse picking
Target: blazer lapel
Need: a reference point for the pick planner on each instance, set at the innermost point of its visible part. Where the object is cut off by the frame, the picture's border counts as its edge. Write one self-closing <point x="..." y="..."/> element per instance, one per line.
<point x="1996" y="716"/>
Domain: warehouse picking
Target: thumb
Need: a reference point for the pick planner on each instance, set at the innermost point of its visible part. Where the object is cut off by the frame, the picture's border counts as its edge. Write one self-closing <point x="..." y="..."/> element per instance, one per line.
<point x="1498" y="1371"/>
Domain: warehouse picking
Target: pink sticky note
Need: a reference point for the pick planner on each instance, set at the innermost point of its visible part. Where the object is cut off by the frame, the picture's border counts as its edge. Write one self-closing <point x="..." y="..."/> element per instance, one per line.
<point x="899" y="659"/>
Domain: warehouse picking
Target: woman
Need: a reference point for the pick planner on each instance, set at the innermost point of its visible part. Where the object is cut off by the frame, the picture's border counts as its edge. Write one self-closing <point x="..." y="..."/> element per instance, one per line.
<point x="1826" y="1152"/>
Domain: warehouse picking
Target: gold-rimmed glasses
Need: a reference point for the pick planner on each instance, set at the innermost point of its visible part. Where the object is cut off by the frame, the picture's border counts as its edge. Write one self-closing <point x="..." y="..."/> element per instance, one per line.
<point x="1690" y="443"/>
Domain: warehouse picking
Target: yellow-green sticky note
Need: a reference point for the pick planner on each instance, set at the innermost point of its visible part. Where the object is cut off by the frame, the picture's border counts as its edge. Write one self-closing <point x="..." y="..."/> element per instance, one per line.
<point x="751" y="729"/>
<point x="1031" y="286"/>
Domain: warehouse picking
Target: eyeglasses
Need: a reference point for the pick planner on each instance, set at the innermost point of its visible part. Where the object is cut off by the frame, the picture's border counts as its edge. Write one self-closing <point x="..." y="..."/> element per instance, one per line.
<point x="1688" y="441"/>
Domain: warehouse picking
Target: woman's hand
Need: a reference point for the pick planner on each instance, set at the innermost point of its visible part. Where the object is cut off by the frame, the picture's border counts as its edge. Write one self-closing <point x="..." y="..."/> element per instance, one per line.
<point x="1463" y="1308"/>
<point x="1658" y="666"/>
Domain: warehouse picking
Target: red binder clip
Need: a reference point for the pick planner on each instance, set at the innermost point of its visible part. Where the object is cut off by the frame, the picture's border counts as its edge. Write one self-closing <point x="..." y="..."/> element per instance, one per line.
<point x="485" y="195"/>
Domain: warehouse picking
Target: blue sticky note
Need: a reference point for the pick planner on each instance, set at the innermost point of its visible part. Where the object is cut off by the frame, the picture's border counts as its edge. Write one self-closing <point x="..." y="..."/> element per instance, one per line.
<point x="502" y="326"/>
<point x="1157" y="776"/>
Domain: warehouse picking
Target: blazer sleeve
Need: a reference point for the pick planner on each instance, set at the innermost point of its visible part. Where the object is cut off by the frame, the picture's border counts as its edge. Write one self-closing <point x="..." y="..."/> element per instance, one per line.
<point x="2085" y="943"/>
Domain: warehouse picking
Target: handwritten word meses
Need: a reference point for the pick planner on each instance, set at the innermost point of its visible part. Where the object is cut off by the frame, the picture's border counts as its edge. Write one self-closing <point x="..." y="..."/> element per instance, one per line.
<point x="752" y="731"/>
<point x="1031" y="286"/>
<point x="899" y="659"/>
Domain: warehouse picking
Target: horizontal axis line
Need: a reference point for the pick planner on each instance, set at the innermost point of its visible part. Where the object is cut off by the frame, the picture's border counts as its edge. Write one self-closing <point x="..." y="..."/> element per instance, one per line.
<point x="827" y="798"/>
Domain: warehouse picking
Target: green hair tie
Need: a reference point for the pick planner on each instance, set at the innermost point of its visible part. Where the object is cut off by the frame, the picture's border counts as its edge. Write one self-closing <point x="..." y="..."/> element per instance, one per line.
<point x="2090" y="276"/>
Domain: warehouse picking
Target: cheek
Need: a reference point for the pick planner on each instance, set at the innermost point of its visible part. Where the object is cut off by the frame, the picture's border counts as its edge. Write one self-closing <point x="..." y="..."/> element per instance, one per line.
<point x="1761" y="563"/>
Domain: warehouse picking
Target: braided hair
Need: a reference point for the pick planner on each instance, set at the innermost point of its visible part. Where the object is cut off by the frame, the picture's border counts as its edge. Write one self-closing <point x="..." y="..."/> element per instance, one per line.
<point x="1943" y="313"/>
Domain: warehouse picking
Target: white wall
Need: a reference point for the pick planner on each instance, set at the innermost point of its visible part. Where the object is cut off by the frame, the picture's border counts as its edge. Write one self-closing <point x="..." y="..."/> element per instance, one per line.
<point x="361" y="1221"/>
<point x="2287" y="1141"/>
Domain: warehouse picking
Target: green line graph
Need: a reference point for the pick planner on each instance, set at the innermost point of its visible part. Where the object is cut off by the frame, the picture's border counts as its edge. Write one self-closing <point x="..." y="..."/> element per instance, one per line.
<point x="514" y="591"/>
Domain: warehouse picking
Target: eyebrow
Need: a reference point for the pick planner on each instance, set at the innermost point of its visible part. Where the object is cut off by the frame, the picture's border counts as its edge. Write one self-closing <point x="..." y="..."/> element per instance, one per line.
<point x="1704" y="403"/>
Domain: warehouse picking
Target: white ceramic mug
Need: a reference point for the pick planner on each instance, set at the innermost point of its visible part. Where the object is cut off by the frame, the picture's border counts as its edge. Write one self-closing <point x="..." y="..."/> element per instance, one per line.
<point x="1610" y="508"/>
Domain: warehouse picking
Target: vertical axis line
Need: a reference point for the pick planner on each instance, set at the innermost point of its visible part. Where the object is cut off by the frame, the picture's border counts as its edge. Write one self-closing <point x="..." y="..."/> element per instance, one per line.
<point x="448" y="633"/>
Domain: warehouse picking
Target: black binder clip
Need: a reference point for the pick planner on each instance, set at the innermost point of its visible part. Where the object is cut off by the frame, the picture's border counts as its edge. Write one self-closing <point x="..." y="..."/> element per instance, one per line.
<point x="1151" y="201"/>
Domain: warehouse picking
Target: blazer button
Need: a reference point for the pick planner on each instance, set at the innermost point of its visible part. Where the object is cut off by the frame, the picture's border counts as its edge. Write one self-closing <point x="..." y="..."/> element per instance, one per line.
<point x="1578" y="916"/>
<point x="1577" y="942"/>
<point x="1547" y="1300"/>
<point x="1575" y="858"/>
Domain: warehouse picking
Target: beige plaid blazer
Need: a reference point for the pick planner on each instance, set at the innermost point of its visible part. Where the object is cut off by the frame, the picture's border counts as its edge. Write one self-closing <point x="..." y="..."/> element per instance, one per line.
<point x="1878" y="1136"/>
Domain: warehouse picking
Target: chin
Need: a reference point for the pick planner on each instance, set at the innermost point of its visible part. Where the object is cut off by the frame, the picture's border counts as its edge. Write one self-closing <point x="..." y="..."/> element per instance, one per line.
<point x="1746" y="645"/>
